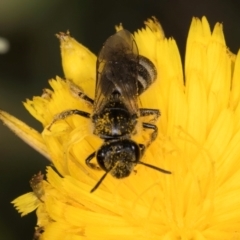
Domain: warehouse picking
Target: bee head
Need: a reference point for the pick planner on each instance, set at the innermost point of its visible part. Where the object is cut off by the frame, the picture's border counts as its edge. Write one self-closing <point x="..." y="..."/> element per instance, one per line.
<point x="118" y="157"/>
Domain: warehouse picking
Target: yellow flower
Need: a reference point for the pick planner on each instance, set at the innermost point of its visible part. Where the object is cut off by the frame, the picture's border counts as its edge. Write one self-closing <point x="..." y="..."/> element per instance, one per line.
<point x="198" y="141"/>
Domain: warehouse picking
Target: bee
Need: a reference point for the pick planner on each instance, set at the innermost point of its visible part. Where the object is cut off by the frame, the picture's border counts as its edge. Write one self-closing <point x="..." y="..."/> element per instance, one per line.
<point x="122" y="75"/>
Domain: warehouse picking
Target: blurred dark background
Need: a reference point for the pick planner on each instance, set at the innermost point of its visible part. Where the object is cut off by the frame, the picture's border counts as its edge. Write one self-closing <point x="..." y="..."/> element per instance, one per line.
<point x="34" y="57"/>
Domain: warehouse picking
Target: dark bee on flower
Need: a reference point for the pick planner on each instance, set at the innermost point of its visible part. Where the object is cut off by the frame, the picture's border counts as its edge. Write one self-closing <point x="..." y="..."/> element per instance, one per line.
<point x="122" y="75"/>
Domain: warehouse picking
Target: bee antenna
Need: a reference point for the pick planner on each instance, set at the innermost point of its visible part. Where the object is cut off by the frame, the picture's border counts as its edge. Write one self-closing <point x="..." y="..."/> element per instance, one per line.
<point x="99" y="182"/>
<point x="154" y="167"/>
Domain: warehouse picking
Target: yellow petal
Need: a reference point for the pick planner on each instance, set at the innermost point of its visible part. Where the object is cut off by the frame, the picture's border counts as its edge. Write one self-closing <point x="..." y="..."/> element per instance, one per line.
<point x="26" y="203"/>
<point x="235" y="88"/>
<point x="26" y="133"/>
<point x="78" y="63"/>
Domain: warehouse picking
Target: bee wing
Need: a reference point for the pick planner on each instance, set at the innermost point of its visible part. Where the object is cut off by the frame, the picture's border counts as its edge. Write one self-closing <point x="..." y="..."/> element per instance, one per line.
<point x="117" y="71"/>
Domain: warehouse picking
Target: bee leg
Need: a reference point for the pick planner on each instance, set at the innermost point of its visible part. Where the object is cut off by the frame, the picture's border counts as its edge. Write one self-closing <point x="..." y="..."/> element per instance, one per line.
<point x="154" y="133"/>
<point x="142" y="148"/>
<point x="95" y="167"/>
<point x="85" y="98"/>
<point x="148" y="112"/>
<point x="67" y="113"/>
<point x="76" y="91"/>
<point x="91" y="165"/>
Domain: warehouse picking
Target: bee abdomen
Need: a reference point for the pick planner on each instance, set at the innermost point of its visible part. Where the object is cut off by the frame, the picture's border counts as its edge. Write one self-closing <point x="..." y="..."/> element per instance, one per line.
<point x="147" y="74"/>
